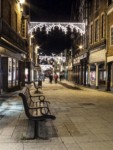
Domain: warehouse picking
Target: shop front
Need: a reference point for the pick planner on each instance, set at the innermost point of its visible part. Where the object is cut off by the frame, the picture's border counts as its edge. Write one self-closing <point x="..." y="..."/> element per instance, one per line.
<point x="97" y="67"/>
<point x="76" y="70"/>
<point x="11" y="71"/>
<point x="109" y="73"/>
<point x="80" y="69"/>
<point x="29" y="72"/>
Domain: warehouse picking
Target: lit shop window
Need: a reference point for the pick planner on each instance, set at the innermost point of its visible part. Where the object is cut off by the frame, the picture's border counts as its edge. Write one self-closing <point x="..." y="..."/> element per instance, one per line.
<point x="12" y="72"/>
<point x="26" y="74"/>
<point x="16" y="72"/>
<point x="9" y="72"/>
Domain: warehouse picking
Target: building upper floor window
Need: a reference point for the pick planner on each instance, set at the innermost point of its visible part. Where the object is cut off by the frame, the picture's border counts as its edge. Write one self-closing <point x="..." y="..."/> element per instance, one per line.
<point x="109" y="2"/>
<point x="91" y="33"/>
<point x="96" y="4"/>
<point x="102" y="26"/>
<point x="9" y="14"/>
<point x="96" y="30"/>
<point x="111" y="36"/>
<point x="85" y="10"/>
<point x="15" y="24"/>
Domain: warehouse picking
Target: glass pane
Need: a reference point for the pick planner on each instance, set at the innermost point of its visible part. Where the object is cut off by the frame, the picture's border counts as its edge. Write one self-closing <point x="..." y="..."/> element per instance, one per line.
<point x="26" y="74"/>
<point x="14" y="72"/>
<point x="9" y="72"/>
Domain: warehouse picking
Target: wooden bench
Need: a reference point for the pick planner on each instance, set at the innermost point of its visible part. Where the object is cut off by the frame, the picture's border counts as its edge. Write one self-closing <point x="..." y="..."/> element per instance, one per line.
<point x="35" y="110"/>
<point x="37" y="85"/>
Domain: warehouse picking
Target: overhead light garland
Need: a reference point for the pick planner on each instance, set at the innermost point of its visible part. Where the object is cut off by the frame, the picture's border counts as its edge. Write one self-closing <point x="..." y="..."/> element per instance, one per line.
<point x="79" y="27"/>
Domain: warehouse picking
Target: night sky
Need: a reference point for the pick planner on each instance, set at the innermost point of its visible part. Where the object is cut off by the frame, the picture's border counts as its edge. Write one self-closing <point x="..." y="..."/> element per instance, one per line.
<point x="51" y="11"/>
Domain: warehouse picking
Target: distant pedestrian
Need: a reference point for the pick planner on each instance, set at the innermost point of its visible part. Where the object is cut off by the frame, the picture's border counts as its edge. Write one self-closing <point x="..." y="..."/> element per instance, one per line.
<point x="55" y="78"/>
<point x="50" y="78"/>
<point x="60" y="76"/>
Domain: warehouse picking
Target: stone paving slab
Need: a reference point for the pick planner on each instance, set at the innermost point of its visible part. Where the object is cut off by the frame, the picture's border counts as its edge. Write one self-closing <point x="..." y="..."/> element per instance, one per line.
<point x="84" y="120"/>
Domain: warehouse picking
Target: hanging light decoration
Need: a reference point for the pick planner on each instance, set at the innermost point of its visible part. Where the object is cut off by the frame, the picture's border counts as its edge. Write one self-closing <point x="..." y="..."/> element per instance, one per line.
<point x="79" y="27"/>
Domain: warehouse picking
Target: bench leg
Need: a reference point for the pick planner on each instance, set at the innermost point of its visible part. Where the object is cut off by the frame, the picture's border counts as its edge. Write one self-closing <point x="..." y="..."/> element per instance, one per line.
<point x="36" y="135"/>
<point x="36" y="131"/>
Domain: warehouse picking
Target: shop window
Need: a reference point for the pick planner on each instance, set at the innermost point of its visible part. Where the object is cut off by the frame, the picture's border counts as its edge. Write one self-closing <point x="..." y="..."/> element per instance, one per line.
<point x="93" y="77"/>
<point x="9" y="72"/>
<point x="111" y="38"/>
<point x="26" y="74"/>
<point x="16" y="72"/>
<point x="12" y="72"/>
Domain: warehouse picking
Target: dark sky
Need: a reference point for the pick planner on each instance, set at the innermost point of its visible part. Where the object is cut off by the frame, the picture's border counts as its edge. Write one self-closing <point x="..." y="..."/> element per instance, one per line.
<point x="51" y="10"/>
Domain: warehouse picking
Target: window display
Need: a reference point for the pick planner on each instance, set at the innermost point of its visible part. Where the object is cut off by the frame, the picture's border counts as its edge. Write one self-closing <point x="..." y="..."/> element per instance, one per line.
<point x="12" y="72"/>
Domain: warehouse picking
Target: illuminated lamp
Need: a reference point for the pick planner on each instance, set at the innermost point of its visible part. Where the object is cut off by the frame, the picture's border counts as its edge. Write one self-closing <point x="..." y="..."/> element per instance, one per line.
<point x="22" y="1"/>
<point x="80" y="46"/>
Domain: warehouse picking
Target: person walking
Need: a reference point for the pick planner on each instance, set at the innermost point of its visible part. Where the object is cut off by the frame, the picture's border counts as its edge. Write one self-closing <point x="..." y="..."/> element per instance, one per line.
<point x="50" y="78"/>
<point x="55" y="78"/>
<point x="60" y="77"/>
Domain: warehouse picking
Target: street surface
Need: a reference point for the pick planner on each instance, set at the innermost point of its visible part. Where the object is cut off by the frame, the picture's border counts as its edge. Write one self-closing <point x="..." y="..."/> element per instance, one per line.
<point x="84" y="120"/>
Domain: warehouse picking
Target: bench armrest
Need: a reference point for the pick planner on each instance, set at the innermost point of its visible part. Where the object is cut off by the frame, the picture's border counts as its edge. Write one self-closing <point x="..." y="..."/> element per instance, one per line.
<point x="41" y="100"/>
<point x="41" y="97"/>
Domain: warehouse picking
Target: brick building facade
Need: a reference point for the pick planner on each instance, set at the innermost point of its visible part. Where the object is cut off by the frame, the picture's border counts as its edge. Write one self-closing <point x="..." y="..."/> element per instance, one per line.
<point x="94" y="62"/>
<point x="13" y="45"/>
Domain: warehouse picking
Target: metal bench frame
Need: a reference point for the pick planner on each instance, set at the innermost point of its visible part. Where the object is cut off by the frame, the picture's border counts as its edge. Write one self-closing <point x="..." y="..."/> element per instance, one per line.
<point x="41" y="106"/>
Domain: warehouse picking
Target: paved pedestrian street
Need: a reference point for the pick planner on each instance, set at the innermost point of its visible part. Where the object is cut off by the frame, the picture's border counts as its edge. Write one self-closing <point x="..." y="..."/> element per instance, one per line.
<point x="84" y="120"/>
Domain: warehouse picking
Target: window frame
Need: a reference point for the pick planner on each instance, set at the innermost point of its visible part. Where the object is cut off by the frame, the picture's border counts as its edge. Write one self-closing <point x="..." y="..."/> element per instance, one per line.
<point x="96" y="30"/>
<point x="91" y="33"/>
<point x="111" y="35"/>
<point x="12" y="72"/>
<point x="97" y="6"/>
<point x="102" y="25"/>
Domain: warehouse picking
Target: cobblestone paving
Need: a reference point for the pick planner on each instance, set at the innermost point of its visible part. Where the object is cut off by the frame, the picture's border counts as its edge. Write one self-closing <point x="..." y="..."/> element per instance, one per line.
<point x="84" y="120"/>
